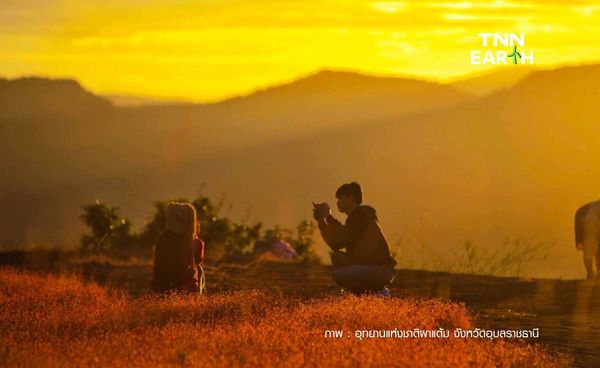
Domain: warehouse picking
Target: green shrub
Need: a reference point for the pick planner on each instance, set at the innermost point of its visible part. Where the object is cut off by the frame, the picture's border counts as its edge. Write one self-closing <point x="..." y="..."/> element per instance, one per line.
<point x="109" y="230"/>
<point x="225" y="239"/>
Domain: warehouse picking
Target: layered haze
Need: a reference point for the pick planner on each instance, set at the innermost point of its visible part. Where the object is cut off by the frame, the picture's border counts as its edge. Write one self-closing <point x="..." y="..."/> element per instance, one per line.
<point x="442" y="163"/>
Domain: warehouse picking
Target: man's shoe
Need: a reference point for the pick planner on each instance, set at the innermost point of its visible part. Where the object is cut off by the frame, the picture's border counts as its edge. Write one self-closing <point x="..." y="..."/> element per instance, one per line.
<point x="384" y="293"/>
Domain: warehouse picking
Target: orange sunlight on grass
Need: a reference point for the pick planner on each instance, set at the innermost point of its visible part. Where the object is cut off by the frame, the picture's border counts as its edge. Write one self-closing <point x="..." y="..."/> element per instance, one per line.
<point x="60" y="321"/>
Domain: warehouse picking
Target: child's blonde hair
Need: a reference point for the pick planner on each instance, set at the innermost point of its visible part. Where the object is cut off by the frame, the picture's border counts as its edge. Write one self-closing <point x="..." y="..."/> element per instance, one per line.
<point x="181" y="218"/>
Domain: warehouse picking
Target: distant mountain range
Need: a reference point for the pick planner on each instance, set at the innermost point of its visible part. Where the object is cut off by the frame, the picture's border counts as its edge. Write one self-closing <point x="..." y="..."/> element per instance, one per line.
<point x="122" y="100"/>
<point x="41" y="98"/>
<point x="490" y="81"/>
<point x="441" y="165"/>
<point x="477" y="84"/>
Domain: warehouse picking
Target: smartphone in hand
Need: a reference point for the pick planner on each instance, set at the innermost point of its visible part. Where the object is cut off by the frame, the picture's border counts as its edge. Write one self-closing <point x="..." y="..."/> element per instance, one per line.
<point x="320" y="210"/>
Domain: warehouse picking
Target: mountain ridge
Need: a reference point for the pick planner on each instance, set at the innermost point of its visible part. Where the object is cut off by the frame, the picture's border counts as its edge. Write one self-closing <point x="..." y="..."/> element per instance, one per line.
<point x="516" y="161"/>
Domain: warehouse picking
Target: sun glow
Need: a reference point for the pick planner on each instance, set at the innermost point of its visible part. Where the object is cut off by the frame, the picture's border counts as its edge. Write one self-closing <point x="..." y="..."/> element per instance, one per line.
<point x="212" y="49"/>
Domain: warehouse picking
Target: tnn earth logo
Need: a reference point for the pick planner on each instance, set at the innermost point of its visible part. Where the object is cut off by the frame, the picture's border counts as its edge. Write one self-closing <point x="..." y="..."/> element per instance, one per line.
<point x="513" y="54"/>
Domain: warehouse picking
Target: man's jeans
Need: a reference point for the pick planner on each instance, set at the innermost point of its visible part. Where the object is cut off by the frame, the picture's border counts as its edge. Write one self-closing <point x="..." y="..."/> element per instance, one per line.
<point x="359" y="278"/>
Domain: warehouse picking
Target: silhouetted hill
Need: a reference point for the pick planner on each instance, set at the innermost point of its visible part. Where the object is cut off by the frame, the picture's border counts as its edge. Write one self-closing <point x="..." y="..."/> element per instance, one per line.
<point x="48" y="99"/>
<point x="105" y="156"/>
<point x="331" y="87"/>
<point x="317" y="102"/>
<point x="136" y="101"/>
<point x="516" y="162"/>
<point x="484" y="83"/>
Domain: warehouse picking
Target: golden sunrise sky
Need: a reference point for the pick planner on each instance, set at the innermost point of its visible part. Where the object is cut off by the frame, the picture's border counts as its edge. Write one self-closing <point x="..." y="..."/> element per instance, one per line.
<point x="207" y="50"/>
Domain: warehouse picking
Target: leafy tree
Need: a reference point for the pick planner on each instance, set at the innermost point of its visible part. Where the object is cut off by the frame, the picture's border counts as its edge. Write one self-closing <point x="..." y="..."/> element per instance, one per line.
<point x="225" y="238"/>
<point x="109" y="230"/>
<point x="302" y="241"/>
<point x="278" y="233"/>
<point x="156" y="224"/>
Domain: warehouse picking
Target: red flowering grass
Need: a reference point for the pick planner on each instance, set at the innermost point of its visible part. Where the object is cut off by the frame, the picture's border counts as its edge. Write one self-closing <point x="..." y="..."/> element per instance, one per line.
<point x="47" y="320"/>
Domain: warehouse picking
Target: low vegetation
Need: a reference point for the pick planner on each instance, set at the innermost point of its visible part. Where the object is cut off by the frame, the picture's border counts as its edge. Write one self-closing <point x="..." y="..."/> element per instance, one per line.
<point x="61" y="321"/>
<point x="111" y="233"/>
<point x="512" y="258"/>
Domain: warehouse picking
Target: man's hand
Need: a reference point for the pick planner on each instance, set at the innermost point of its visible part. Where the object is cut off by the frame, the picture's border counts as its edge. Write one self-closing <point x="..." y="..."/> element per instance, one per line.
<point x="579" y="246"/>
<point x="321" y="211"/>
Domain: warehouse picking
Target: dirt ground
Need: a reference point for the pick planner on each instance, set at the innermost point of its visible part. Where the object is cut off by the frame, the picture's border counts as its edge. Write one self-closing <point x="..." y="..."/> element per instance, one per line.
<point x="567" y="312"/>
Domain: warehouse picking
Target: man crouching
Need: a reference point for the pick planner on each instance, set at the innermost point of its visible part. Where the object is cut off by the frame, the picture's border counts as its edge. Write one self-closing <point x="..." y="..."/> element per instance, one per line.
<point x="366" y="265"/>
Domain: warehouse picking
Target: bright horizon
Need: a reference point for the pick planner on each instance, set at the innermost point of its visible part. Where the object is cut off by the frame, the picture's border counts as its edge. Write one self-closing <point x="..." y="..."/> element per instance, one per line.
<point x="211" y="50"/>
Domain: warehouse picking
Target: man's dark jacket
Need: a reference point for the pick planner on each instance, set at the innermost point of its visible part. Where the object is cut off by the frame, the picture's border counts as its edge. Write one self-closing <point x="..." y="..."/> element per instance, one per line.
<point x="361" y="235"/>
